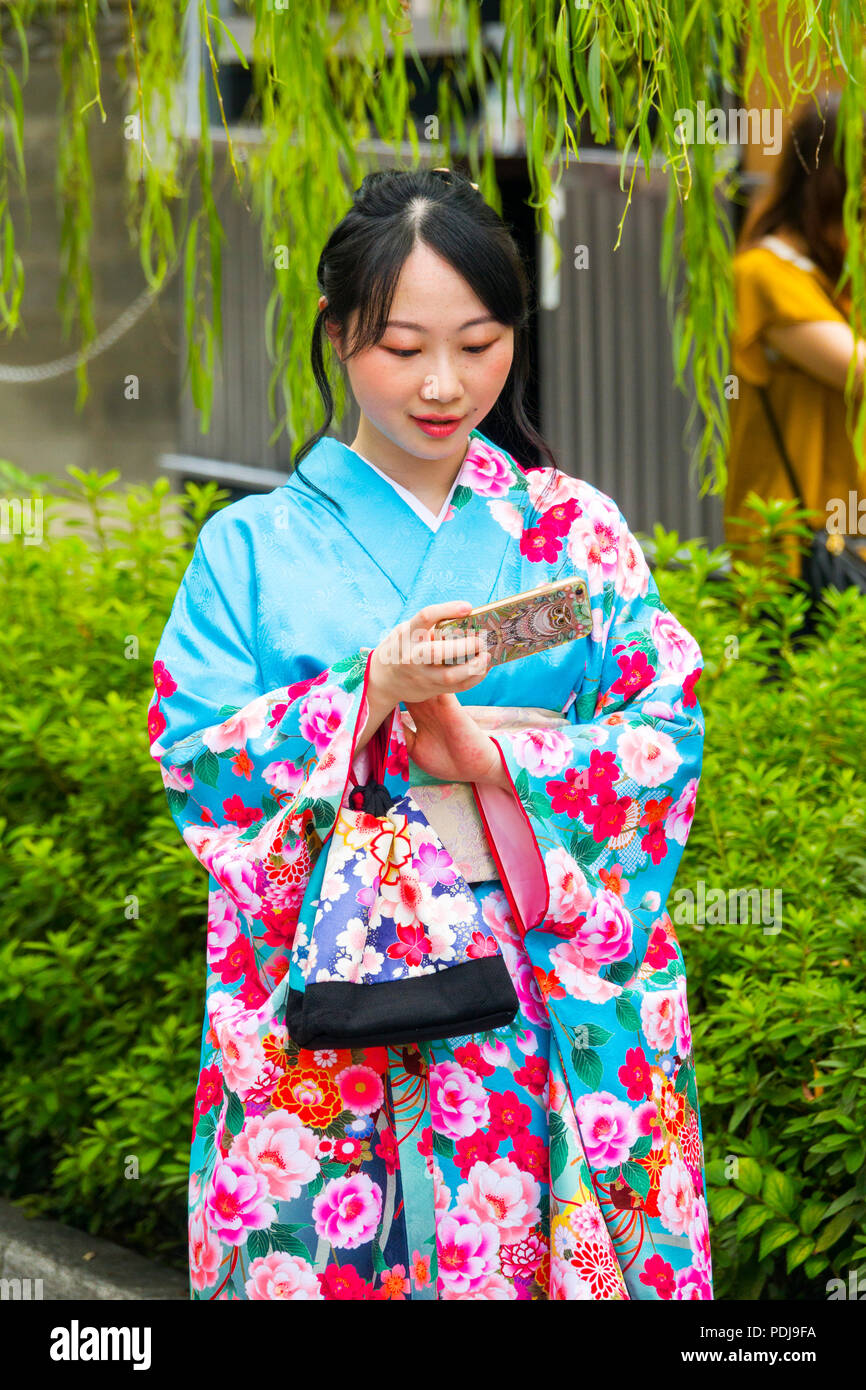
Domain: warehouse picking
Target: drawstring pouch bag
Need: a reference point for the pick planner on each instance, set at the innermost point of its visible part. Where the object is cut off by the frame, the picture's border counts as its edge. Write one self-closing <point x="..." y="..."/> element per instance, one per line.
<point x="391" y="947"/>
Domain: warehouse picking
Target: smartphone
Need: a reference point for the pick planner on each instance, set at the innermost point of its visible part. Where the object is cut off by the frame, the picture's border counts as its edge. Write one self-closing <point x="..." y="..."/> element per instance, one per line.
<point x="526" y="623"/>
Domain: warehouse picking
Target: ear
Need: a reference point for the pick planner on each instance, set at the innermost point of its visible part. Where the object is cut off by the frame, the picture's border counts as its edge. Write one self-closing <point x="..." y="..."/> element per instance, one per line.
<point x="336" y="337"/>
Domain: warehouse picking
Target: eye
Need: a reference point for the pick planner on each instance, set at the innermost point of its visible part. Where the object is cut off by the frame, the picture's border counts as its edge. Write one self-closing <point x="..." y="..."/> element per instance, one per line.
<point x="482" y="348"/>
<point x="403" y="352"/>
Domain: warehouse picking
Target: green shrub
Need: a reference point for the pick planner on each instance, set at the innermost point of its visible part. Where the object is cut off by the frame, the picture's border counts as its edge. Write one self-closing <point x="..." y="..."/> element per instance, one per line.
<point x="103" y="908"/>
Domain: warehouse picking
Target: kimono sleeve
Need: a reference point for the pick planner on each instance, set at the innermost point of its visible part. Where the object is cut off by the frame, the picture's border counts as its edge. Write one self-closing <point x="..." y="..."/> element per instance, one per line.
<point x="254" y="778"/>
<point x="772" y="293"/>
<point x="607" y="804"/>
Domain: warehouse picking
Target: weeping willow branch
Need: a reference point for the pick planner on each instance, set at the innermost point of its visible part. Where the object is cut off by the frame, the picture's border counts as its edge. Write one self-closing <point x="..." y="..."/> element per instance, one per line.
<point x="332" y="86"/>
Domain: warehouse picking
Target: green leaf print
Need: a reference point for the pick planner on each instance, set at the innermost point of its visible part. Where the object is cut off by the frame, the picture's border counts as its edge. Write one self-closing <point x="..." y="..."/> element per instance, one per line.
<point x="588" y="1065"/>
<point x="207" y="768"/>
<point x="637" y="1178"/>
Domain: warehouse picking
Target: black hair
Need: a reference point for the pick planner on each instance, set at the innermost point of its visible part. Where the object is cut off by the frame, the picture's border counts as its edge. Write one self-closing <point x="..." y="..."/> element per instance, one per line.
<point x="358" y="269"/>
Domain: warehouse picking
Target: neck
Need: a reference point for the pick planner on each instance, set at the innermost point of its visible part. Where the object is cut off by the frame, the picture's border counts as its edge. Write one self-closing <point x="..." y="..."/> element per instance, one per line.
<point x="430" y="480"/>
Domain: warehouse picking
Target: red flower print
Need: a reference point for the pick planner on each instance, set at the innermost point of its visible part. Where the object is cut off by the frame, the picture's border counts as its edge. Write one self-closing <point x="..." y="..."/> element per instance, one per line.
<point x="596" y="1264"/>
<point x="387" y="1150"/>
<point x="398" y="759"/>
<point x="635" y="674"/>
<point x="344" y="1282"/>
<point x="155" y="723"/>
<point x="655" y="844"/>
<point x="209" y="1091"/>
<point x="480" y="1147"/>
<point x="608" y="816"/>
<point x="163" y="680"/>
<point x="311" y="1094"/>
<point x="530" y="1153"/>
<point x="242" y="764"/>
<point x="689" y="697"/>
<point x="532" y="1075"/>
<point x="508" y="1115"/>
<point x="635" y="1074"/>
<point x="655" y="811"/>
<point x="412" y="946"/>
<point x="659" y="1275"/>
<point x="548" y="985"/>
<point x="243" y="816"/>
<point x="660" y="949"/>
<point x="481" y="945"/>
<point x="556" y="521"/>
<point x="536" y="546"/>
<point x="569" y="797"/>
<point x="469" y="1055"/>
<point x="238" y="959"/>
<point x="614" y="881"/>
<point x="603" y="772"/>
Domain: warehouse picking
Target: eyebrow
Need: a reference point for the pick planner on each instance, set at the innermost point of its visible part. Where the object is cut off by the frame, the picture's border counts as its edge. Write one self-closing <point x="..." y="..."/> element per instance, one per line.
<point x="401" y="323"/>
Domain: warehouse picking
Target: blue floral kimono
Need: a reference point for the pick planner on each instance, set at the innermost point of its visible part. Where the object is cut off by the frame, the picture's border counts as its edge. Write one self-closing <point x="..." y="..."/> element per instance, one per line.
<point x="560" y="1156"/>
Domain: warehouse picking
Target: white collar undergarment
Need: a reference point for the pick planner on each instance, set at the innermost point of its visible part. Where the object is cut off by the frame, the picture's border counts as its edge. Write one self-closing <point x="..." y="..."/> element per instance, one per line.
<point x="418" y="507"/>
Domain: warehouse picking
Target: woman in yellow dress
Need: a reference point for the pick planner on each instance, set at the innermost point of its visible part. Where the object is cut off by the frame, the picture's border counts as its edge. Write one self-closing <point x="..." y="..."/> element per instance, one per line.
<point x="792" y="337"/>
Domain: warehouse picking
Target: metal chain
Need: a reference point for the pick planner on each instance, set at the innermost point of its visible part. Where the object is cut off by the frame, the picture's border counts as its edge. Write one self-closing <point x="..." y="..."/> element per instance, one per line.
<point x="104" y="340"/>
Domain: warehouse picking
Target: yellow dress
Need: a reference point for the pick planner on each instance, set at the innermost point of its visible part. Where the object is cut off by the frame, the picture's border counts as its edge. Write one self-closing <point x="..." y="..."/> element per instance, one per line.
<point x="774" y="286"/>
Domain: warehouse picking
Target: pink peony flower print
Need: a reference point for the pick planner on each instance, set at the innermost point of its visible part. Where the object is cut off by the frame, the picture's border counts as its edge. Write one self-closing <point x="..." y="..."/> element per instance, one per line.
<point x="699" y="1236"/>
<point x="466" y="1252"/>
<point x="346" y="1212"/>
<point x="678" y="821"/>
<point x="633" y="575"/>
<point x="486" y="471"/>
<point x="321" y="715"/>
<point x="678" y="651"/>
<point x="329" y="774"/>
<point x="503" y="1194"/>
<point x="543" y="752"/>
<point x="279" y="1275"/>
<point x="249" y="722"/>
<point x="579" y="976"/>
<point x="569" y="894"/>
<point x="242" y="1056"/>
<point x="606" y="934"/>
<point x="495" y="1288"/>
<point x="236" y="1201"/>
<point x="676" y="1198"/>
<point x="222" y="925"/>
<point x="283" y="776"/>
<point x="592" y="546"/>
<point x="218" y="851"/>
<point x="607" y="1127"/>
<point x="692" y="1283"/>
<point x="658" y="1018"/>
<point x="682" y="1021"/>
<point x="587" y="1222"/>
<point x="508" y="516"/>
<point x="647" y="755"/>
<point x="205" y="1253"/>
<point x="278" y="1146"/>
<point x="361" y="1089"/>
<point x="548" y="488"/>
<point x="566" y="1285"/>
<point x="458" y="1100"/>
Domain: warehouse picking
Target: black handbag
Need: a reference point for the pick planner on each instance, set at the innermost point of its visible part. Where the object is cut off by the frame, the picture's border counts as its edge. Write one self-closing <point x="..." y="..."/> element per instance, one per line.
<point x="833" y="562"/>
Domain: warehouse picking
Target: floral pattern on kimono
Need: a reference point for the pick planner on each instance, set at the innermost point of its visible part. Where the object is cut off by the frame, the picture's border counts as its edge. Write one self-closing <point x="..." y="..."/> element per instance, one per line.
<point x="561" y="1156"/>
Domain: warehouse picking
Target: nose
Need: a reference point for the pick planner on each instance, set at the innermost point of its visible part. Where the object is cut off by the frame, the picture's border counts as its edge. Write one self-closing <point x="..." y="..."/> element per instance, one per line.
<point x="443" y="384"/>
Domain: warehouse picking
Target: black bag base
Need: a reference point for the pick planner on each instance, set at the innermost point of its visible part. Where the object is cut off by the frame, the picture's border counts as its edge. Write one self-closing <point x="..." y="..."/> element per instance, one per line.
<point x="469" y="998"/>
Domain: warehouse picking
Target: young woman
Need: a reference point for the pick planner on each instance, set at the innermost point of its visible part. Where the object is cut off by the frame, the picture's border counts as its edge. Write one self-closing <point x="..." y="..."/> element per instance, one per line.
<point x="793" y="340"/>
<point x="559" y="1156"/>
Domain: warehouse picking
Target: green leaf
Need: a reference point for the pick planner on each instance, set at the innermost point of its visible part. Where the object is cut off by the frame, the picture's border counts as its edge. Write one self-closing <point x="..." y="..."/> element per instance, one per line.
<point x="176" y="800"/>
<point x="725" y="1201"/>
<point x="558" y="1146"/>
<point x="234" y="1114"/>
<point x="462" y="495"/>
<point x="588" y="1066"/>
<point x="833" y="1230"/>
<point x="521" y="784"/>
<point x="797" y="1252"/>
<point x="641" y="1147"/>
<point x="591" y="1035"/>
<point x="780" y="1193"/>
<point x="627" y="1015"/>
<point x="258" y="1244"/>
<point x="751" y="1219"/>
<point x="749" y="1177"/>
<point x="207" y="768"/>
<point x="776" y="1236"/>
<point x="443" y="1145"/>
<point x="637" y="1178"/>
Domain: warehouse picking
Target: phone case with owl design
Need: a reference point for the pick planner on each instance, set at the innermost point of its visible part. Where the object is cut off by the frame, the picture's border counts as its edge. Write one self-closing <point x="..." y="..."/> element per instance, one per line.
<point x="526" y="623"/>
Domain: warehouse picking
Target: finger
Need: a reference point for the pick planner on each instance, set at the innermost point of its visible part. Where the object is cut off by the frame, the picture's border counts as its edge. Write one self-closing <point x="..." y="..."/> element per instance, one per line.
<point x="437" y="612"/>
<point x="470" y="673"/>
<point x="446" y="651"/>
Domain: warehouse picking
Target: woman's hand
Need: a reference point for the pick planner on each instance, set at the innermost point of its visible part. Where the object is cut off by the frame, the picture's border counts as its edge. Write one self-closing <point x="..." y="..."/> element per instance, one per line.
<point x="448" y="744"/>
<point x="407" y="666"/>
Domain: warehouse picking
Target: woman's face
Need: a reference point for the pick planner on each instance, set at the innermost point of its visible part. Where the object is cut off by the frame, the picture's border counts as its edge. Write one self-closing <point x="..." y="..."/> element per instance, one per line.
<point x="454" y="361"/>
